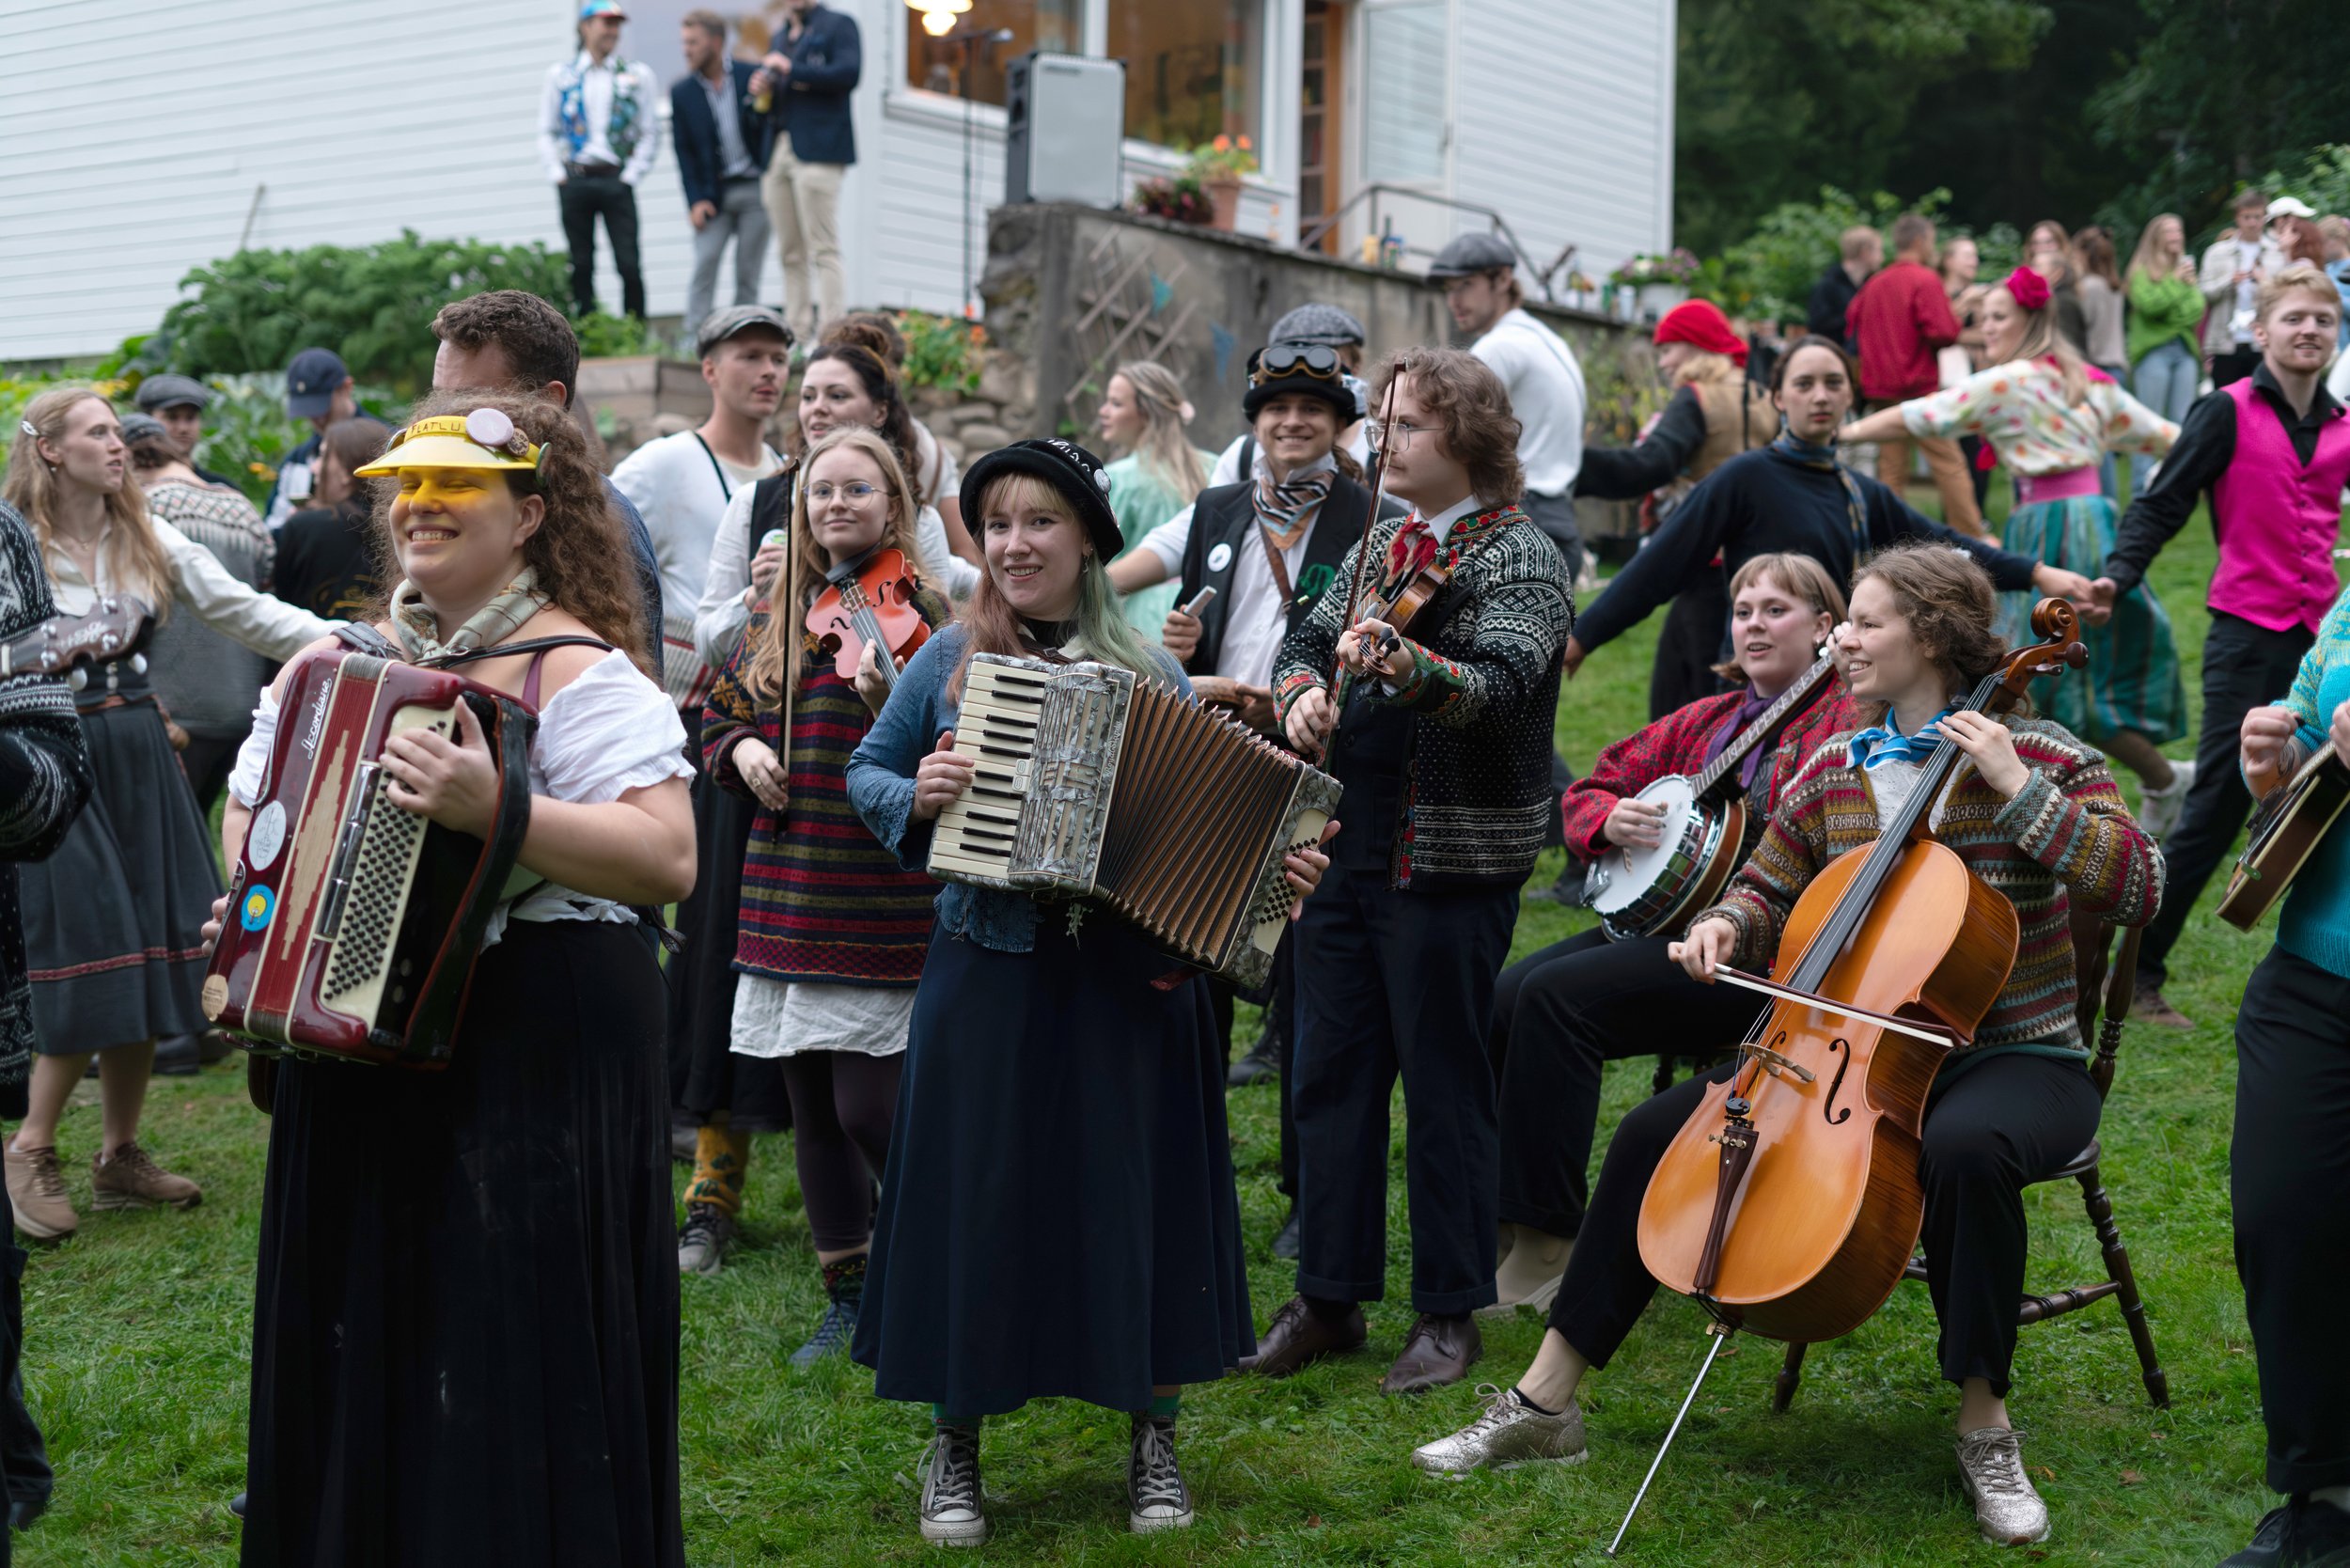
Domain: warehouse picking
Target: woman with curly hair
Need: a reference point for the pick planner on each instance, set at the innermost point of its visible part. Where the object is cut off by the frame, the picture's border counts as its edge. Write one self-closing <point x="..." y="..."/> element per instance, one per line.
<point x="465" y="1310"/>
<point x="111" y="920"/>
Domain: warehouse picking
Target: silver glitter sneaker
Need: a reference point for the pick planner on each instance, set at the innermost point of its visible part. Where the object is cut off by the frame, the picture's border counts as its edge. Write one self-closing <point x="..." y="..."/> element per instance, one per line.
<point x="1156" y="1496"/>
<point x="1509" y="1432"/>
<point x="1991" y="1464"/>
<point x="951" y="1504"/>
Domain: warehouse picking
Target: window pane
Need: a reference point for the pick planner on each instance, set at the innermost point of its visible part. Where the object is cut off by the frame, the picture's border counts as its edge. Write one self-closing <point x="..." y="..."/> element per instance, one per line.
<point x="938" y="64"/>
<point x="1192" y="68"/>
<point x="1405" y="70"/>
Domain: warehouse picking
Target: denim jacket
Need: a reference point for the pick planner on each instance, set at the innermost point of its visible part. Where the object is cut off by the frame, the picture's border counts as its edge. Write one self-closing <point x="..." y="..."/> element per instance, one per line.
<point x="881" y="787"/>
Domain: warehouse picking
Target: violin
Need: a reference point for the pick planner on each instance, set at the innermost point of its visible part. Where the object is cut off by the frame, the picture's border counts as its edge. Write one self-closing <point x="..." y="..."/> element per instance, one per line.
<point x="868" y="601"/>
<point x="1788" y="1203"/>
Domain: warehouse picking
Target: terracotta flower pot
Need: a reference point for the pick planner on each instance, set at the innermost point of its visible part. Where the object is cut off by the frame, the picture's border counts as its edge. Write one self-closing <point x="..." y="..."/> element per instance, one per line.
<point x="1224" y="194"/>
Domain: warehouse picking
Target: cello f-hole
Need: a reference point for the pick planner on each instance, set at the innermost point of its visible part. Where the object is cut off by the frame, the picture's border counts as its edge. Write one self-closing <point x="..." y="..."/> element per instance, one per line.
<point x="1838" y="1045"/>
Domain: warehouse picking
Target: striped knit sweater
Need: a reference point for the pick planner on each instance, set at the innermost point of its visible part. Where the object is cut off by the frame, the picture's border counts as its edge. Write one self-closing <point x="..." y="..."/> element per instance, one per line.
<point x="822" y="901"/>
<point x="2065" y="837"/>
<point x="1677" y="743"/>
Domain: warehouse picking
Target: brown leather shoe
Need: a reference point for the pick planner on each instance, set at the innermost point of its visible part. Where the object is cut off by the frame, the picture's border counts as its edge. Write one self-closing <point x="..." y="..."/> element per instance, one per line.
<point x="1436" y="1351"/>
<point x="1299" y="1336"/>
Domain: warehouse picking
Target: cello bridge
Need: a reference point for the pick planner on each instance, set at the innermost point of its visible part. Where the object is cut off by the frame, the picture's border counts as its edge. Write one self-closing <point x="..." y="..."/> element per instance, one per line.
<point x="1775" y="1064"/>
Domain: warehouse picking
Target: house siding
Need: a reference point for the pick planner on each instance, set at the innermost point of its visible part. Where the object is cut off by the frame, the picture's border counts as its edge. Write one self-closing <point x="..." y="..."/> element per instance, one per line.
<point x="143" y="130"/>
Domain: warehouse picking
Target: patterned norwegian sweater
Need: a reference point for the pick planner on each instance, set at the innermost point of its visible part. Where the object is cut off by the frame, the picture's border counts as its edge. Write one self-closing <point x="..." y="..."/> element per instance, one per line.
<point x="1484" y="695"/>
<point x="2065" y="837"/>
<point x="1677" y="743"/>
<point x="822" y="900"/>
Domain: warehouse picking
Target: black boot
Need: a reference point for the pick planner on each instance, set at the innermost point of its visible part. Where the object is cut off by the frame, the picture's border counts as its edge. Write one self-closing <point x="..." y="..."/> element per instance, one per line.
<point x="1262" y="1061"/>
<point x="844" y="1282"/>
<point x="177" y="1055"/>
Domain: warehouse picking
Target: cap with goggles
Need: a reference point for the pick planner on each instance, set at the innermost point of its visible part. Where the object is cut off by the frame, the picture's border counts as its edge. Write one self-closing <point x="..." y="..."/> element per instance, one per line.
<point x="486" y="438"/>
<point x="1298" y="370"/>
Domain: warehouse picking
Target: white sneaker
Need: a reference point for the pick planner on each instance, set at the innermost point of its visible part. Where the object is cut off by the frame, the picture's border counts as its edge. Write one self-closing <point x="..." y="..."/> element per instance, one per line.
<point x="2160" y="809"/>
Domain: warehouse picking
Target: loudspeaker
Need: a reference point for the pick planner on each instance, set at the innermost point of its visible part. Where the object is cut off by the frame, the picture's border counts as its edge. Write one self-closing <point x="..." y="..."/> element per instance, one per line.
<point x="1064" y="125"/>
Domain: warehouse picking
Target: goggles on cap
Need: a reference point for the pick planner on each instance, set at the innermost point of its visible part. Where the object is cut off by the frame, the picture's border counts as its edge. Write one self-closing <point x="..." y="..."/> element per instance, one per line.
<point x="1317" y="360"/>
<point x="486" y="438"/>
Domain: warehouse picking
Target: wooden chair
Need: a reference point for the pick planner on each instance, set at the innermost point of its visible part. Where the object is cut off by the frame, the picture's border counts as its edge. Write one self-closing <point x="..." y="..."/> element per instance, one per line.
<point x="2091" y="939"/>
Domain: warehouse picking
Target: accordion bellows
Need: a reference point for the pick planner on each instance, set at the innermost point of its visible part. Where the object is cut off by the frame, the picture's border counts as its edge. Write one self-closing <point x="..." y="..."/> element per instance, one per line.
<point x="1093" y="784"/>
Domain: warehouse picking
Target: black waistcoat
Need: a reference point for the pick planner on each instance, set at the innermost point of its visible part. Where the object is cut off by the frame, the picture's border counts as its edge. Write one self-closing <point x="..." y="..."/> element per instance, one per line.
<point x="1224" y="523"/>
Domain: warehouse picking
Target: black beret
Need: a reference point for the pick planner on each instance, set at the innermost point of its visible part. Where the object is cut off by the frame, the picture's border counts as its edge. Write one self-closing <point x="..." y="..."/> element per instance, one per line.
<point x="1068" y="468"/>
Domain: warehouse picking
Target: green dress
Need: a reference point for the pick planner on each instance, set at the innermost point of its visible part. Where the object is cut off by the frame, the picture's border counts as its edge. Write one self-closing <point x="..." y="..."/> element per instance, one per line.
<point x="1141" y="503"/>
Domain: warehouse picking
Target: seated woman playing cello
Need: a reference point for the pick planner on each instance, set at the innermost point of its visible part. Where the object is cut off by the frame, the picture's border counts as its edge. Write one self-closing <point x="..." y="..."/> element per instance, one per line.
<point x="1561" y="1012"/>
<point x="2032" y="813"/>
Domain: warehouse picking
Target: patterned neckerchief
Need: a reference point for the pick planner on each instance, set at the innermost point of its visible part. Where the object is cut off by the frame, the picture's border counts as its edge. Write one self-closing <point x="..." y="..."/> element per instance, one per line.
<point x="1287" y="509"/>
<point x="418" y="629"/>
<point x="1806" y="454"/>
<point x="1881" y="743"/>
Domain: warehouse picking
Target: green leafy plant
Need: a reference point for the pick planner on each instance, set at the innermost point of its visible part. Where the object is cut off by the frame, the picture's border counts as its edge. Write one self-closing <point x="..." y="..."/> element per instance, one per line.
<point x="1225" y="158"/>
<point x="253" y="311"/>
<point x="941" y="351"/>
<point x="1179" y="199"/>
<point x="603" y="335"/>
<point x="1769" y="273"/>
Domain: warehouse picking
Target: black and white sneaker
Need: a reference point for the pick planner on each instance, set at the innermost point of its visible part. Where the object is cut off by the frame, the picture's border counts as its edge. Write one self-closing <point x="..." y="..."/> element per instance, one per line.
<point x="1157" y="1498"/>
<point x="703" y="1239"/>
<point x="951" y="1509"/>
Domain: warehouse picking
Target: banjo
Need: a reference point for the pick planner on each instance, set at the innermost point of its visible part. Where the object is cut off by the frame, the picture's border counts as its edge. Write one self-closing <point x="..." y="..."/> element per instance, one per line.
<point x="2285" y="833"/>
<point x="1639" y="892"/>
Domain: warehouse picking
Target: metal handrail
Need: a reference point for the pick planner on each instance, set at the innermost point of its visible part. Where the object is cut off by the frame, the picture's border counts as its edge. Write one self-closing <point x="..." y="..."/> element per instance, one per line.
<point x="1313" y="237"/>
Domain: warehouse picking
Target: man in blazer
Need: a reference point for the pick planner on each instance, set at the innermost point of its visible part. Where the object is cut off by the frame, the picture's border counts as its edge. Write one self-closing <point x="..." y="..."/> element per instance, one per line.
<point x="807" y="78"/>
<point x="723" y="144"/>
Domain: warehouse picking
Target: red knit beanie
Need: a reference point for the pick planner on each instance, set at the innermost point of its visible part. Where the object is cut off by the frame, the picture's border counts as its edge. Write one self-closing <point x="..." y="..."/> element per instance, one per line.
<point x="1702" y="324"/>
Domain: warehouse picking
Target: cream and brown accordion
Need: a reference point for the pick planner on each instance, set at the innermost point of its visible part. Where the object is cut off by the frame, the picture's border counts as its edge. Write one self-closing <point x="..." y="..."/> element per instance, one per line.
<point x="352" y="924"/>
<point x="1093" y="784"/>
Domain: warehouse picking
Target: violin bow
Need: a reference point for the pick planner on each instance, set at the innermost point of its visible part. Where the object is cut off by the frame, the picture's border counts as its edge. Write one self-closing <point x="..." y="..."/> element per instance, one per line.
<point x="1362" y="545"/>
<point x="799" y="657"/>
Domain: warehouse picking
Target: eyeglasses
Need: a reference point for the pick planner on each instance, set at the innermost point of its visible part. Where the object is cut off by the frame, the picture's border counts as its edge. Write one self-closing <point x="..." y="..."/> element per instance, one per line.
<point x="855" y="490"/>
<point x="1401" y="430"/>
<point x="1318" y="360"/>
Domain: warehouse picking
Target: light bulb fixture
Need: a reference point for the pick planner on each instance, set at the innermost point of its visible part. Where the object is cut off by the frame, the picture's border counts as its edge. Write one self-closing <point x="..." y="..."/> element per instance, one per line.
<point x="938" y="23"/>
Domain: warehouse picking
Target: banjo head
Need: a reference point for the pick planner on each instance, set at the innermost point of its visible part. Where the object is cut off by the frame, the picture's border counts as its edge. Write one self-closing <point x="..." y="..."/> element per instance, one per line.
<point x="1631" y="873"/>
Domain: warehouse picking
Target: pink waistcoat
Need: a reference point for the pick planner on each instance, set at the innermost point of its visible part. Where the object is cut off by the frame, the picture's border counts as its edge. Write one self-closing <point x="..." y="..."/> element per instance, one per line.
<point x="2277" y="520"/>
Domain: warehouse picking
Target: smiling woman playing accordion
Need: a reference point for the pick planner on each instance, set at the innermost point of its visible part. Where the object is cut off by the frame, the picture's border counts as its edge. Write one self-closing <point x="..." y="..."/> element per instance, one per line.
<point x="467" y="1305"/>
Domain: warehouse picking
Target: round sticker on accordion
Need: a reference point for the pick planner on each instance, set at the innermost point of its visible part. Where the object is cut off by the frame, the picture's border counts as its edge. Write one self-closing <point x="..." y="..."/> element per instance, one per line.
<point x="266" y="836"/>
<point x="260" y="904"/>
<point x="1219" y="557"/>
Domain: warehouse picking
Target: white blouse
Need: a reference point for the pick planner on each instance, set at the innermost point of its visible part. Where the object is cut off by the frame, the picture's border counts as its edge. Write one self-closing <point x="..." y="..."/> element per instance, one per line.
<point x="233" y="608"/>
<point x="609" y="731"/>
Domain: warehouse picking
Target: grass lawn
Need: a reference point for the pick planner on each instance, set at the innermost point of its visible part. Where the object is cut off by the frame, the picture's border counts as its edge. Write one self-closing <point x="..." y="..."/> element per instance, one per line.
<point x="139" y="1331"/>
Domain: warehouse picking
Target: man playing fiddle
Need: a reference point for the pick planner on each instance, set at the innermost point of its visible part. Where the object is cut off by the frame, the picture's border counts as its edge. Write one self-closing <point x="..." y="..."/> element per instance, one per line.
<point x="1440" y="731"/>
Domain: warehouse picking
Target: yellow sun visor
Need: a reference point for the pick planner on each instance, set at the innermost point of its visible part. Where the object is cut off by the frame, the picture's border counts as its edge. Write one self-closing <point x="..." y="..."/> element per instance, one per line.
<point x="485" y="438"/>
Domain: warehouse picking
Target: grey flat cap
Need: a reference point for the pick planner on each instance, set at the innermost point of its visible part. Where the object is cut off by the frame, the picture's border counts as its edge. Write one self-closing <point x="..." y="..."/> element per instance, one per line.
<point x="1318" y="323"/>
<point x="1472" y="254"/>
<point x="141" y="427"/>
<point x="171" y="391"/>
<point x="719" y="325"/>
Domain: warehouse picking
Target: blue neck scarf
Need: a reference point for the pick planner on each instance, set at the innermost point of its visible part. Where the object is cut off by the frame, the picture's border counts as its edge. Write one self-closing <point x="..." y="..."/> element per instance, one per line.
<point x="1810" y="456"/>
<point x="1880" y="743"/>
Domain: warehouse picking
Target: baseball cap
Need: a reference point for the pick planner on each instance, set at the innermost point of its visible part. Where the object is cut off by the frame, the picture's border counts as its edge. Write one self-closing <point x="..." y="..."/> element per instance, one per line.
<point x="171" y="392"/>
<point x="602" y="7"/>
<point x="719" y="325"/>
<point x="1472" y="254"/>
<point x="310" y="382"/>
<point x="2290" y="207"/>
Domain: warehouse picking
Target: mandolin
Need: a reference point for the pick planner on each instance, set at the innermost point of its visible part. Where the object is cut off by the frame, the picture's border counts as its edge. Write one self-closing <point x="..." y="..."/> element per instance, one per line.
<point x="117" y="628"/>
<point x="2286" y="831"/>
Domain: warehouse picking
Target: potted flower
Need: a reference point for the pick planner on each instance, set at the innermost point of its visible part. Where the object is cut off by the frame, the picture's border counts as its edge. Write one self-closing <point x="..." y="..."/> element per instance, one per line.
<point x="1217" y="168"/>
<point x="1647" y="286"/>
<point x="1177" y="197"/>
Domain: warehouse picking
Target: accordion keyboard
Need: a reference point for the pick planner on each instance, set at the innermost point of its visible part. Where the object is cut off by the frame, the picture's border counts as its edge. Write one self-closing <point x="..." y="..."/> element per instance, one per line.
<point x="996" y="730"/>
<point x="370" y="877"/>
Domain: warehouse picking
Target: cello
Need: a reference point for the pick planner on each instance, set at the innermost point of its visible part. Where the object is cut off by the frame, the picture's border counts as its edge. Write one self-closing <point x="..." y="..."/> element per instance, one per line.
<point x="1790" y="1203"/>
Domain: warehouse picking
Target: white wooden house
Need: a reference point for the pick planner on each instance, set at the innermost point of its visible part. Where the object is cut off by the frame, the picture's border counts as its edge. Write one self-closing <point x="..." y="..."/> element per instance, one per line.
<point x="144" y="137"/>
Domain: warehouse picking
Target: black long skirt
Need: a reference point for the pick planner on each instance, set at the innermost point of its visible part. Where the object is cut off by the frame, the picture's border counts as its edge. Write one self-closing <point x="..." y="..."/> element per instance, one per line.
<point x="705" y="1074"/>
<point x="465" y="1321"/>
<point x="1059" y="1218"/>
<point x="113" y="922"/>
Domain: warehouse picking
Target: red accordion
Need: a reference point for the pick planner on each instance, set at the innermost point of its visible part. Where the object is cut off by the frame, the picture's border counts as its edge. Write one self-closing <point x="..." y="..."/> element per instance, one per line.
<point x="353" y="925"/>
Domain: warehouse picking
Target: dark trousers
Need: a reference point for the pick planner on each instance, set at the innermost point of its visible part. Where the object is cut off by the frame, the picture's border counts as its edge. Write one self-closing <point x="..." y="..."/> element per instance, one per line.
<point x="2243" y="667"/>
<point x="842" y="1104"/>
<point x="2288" y="1170"/>
<point x="1558" y="1015"/>
<point x="1690" y="645"/>
<point x="2235" y="365"/>
<point x="1398" y="984"/>
<point x="207" y="761"/>
<point x="584" y="199"/>
<point x="24" y="1471"/>
<point x="2001" y="1124"/>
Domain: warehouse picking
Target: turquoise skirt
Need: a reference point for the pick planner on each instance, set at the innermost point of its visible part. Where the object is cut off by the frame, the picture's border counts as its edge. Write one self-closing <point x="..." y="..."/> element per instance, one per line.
<point x="2132" y="680"/>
